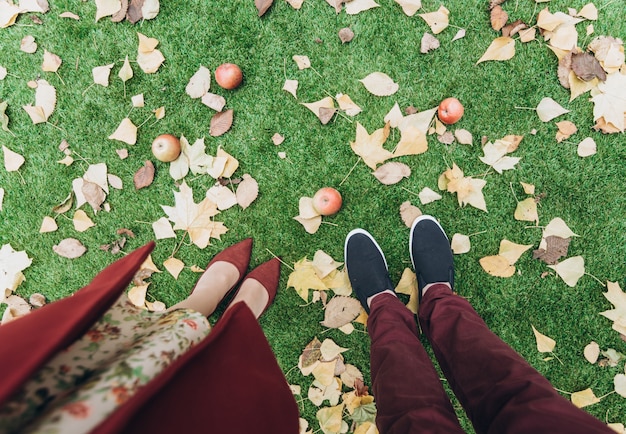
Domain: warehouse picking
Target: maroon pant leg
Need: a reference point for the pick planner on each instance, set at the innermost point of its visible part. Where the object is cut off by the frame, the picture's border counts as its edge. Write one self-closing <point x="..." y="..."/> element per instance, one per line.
<point x="409" y="395"/>
<point x="498" y="389"/>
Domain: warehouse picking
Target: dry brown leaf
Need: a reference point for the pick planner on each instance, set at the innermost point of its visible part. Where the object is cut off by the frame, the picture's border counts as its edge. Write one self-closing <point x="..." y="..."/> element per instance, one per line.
<point x="121" y="14"/>
<point x="447" y="138"/>
<point x="380" y="84"/>
<point x="498" y="17"/>
<point x="513" y="28"/>
<point x="70" y="248"/>
<point x="221" y="123"/>
<point x="144" y="176"/>
<point x="409" y="213"/>
<point x="438" y="20"/>
<point x="502" y="48"/>
<point x="262" y="6"/>
<point x="392" y="173"/>
<point x="93" y="194"/>
<point x="340" y="311"/>
<point x="37" y="300"/>
<point x="318" y="107"/>
<point x="566" y="129"/>
<point x="428" y="43"/>
<point x="587" y="67"/>
<point x="247" y="191"/>
<point x="346" y="35"/>
<point x="311" y="353"/>
<point x="214" y="101"/>
<point x="126" y="132"/>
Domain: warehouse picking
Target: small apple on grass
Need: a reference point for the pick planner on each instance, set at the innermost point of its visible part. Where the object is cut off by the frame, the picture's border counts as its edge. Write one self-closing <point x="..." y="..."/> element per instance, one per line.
<point x="166" y="148"/>
<point x="228" y="75"/>
<point x="327" y="201"/>
<point x="450" y="110"/>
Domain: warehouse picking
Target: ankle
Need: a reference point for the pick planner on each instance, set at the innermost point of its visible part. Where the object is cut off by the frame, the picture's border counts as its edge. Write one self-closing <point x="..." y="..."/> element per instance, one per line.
<point x="427" y="287"/>
<point x="387" y="291"/>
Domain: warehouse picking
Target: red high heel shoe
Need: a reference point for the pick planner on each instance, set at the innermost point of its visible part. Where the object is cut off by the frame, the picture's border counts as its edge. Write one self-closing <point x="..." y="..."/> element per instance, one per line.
<point x="268" y="275"/>
<point x="238" y="255"/>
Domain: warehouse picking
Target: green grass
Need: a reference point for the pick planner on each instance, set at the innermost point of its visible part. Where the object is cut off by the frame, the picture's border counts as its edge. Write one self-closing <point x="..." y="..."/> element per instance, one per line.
<point x="587" y="193"/>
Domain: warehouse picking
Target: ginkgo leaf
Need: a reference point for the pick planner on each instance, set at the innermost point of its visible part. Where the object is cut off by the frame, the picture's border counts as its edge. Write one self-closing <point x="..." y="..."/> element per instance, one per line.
<point x="497" y="266"/>
<point x="8" y="14"/>
<point x="126" y="132"/>
<point x="354" y="7"/>
<point x="407" y="283"/>
<point x="592" y="352"/>
<point x="303" y="62"/>
<point x="106" y="8"/>
<point x="545" y="344"/>
<point x="502" y="48"/>
<point x="526" y="210"/>
<point x="174" y="266"/>
<point x="512" y="251"/>
<point x="410" y="7"/>
<point x="137" y="295"/>
<point x="163" y="229"/>
<point x="199" y="83"/>
<point x="101" y="74"/>
<point x="380" y="84"/>
<point x="81" y="221"/>
<point x="347" y="105"/>
<point x="126" y="71"/>
<point x="195" y="218"/>
<point x="438" y="20"/>
<point x="589" y="11"/>
<point x="559" y="228"/>
<point x="291" y="86"/>
<point x="318" y="106"/>
<point x="370" y="146"/>
<point x="392" y="173"/>
<point x="460" y="244"/>
<point x="51" y="62"/>
<point x="427" y="195"/>
<point x="12" y="160"/>
<point x="150" y="62"/>
<point x="570" y="270"/>
<point x="584" y="398"/>
<point x="548" y="109"/>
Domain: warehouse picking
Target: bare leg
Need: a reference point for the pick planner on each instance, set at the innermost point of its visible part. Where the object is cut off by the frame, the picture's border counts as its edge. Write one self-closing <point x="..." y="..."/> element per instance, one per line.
<point x="213" y="285"/>
<point x="254" y="295"/>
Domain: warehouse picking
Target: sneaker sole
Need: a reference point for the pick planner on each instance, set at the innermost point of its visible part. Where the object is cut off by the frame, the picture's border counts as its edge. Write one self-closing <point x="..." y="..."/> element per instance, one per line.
<point x="368" y="235"/>
<point x="414" y="224"/>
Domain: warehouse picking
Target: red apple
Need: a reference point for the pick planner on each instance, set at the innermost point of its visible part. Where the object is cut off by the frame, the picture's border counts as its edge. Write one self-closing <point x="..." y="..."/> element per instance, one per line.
<point x="228" y="75"/>
<point x="166" y="148"/>
<point x="327" y="201"/>
<point x="450" y="111"/>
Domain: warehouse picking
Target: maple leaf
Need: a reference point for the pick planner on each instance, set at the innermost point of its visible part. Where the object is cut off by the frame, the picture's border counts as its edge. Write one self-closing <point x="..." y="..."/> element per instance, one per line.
<point x="370" y="147"/>
<point x="195" y="218"/>
<point x="609" y="100"/>
<point x="12" y="263"/>
<point x="617" y="297"/>
<point x="468" y="189"/>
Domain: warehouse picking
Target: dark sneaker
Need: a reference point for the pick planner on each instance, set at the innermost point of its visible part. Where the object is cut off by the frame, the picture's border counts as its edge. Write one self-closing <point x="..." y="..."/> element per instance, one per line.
<point x="430" y="253"/>
<point x="366" y="266"/>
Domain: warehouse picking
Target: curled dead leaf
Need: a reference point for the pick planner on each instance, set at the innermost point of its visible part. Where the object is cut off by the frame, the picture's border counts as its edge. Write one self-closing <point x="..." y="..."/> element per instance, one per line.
<point x="144" y="176"/>
<point x="221" y="123"/>
<point x="392" y="173"/>
<point x="340" y="311"/>
<point x="69" y="248"/>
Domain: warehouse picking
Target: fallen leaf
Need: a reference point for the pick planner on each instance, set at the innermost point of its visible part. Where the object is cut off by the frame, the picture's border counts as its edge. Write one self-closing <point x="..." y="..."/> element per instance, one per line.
<point x="262" y="6"/>
<point x="592" y="352"/>
<point x="174" y="266"/>
<point x="37" y="300"/>
<point x="8" y="14"/>
<point x="311" y="354"/>
<point x="126" y="71"/>
<point x="150" y="10"/>
<point x="340" y="311"/>
<point x="304" y="278"/>
<point x="392" y="173"/>
<point x="468" y="189"/>
<point x="214" y="101"/>
<point x="428" y="43"/>
<point x="45" y="102"/>
<point x="619" y="381"/>
<point x="324" y="264"/>
<point x="459" y="35"/>
<point x="464" y="137"/>
<point x="370" y="146"/>
<point x="12" y="160"/>
<point x="296" y="4"/>
<point x="587" y="67"/>
<point x="247" y="191"/>
<point x="144" y="176"/>
<point x="163" y="229"/>
<point x="526" y="210"/>
<point x="354" y="7"/>
<point x="617" y="297"/>
<point x="438" y="20"/>
<point x="566" y="129"/>
<point x="379" y="84"/>
<point x="427" y="195"/>
<point x="347" y="105"/>
<point x="410" y="7"/>
<point x="81" y="221"/>
<point x="548" y="109"/>
<point x="12" y="263"/>
<point x="499" y="18"/>
<point x="51" y="62"/>
<point x="221" y="123"/>
<point x="330" y="418"/>
<point x="460" y="244"/>
<point x="514" y="28"/>
<point x="222" y="196"/>
<point x="106" y="8"/>
<point x="68" y="14"/>
<point x="497" y="266"/>
<point x="502" y="48"/>
<point x="126" y="132"/>
<point x="1" y="197"/>
<point x="584" y="398"/>
<point x="70" y="248"/>
<point x="101" y="74"/>
<point x="199" y="83"/>
<point x="570" y="270"/>
<point x="346" y="35"/>
<point x="291" y="86"/>
<point x="412" y="142"/>
<point x="394" y="117"/>
<point x="527" y="35"/>
<point x="329" y="350"/>
<point x="545" y="344"/>
<point x="303" y="62"/>
<point x="120" y="15"/>
<point x="28" y="44"/>
<point x="587" y="147"/>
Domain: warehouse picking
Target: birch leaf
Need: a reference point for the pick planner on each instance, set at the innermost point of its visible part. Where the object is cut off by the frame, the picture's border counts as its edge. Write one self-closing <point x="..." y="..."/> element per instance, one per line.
<point x="106" y="8"/>
<point x="460" y="244"/>
<point x="545" y="344"/>
<point x="502" y="48"/>
<point x="526" y="210"/>
<point x="392" y="173"/>
<point x="101" y="74"/>
<point x="81" y="221"/>
<point x="587" y="147"/>
<point x="12" y="160"/>
<point x="548" y="109"/>
<point x="126" y="132"/>
<point x="410" y="7"/>
<point x="427" y="196"/>
<point x="303" y="62"/>
<point x="570" y="270"/>
<point x="126" y="71"/>
<point x="247" y="191"/>
<point x="584" y="398"/>
<point x="354" y="7"/>
<point x="199" y="83"/>
<point x="51" y="62"/>
<point x="291" y="86"/>
<point x="438" y="20"/>
<point x="380" y="84"/>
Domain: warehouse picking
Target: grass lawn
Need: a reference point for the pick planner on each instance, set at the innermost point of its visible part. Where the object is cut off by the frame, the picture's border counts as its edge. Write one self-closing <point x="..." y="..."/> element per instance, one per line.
<point x="589" y="194"/>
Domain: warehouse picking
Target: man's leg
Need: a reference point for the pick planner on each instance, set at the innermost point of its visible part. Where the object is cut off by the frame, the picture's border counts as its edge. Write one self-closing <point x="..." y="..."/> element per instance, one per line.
<point x="409" y="395"/>
<point x="499" y="390"/>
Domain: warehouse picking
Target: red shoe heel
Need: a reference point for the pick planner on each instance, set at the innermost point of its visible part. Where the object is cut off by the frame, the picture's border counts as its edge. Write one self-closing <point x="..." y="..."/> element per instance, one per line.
<point x="237" y="255"/>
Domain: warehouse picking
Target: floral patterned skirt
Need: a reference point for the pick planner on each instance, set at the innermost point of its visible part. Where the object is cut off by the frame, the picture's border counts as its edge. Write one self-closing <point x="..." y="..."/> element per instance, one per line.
<point x="76" y="390"/>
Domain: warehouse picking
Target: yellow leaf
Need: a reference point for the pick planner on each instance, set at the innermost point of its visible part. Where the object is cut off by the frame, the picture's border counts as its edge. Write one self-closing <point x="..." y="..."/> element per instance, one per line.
<point x="101" y="74"/>
<point x="512" y="251"/>
<point x="354" y="7"/>
<point x="592" y="352"/>
<point x="51" y="62"/>
<point x="291" y="86"/>
<point x="584" y="398"/>
<point x="81" y="221"/>
<point x="303" y="62"/>
<point x="1" y="197"/>
<point x="199" y="83"/>
<point x="617" y="298"/>
<point x="497" y="266"/>
<point x="137" y="295"/>
<point x="148" y="264"/>
<point x="589" y="11"/>
<point x="105" y="8"/>
<point x="526" y="210"/>
<point x="545" y="344"/>
<point x="324" y="264"/>
<point x="231" y="162"/>
<point x="347" y="105"/>
<point x="126" y="71"/>
<point x="370" y="147"/>
<point x="126" y="132"/>
<point x="528" y="188"/>
<point x="460" y="244"/>
<point x="151" y="61"/>
<point x="159" y="113"/>
<point x="304" y="277"/>
<point x="48" y="225"/>
<point x="380" y="84"/>
<point x="407" y="283"/>
<point x="146" y="44"/>
<point x="324" y="372"/>
<point x="570" y="270"/>
<point x="330" y="350"/>
<point x="174" y="266"/>
<point x="394" y="117"/>
<point x="412" y="142"/>
<point x="330" y="419"/>
<point x="502" y="48"/>
<point x="12" y="160"/>
<point x="366" y="428"/>
<point x="410" y="7"/>
<point x="469" y="191"/>
<point x="437" y="21"/>
<point x="311" y="225"/>
<point x="318" y="107"/>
